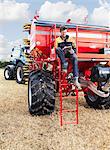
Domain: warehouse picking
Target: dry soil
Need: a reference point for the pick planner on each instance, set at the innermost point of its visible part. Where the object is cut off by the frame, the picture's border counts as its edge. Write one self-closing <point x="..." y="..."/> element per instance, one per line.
<point x="20" y="131"/>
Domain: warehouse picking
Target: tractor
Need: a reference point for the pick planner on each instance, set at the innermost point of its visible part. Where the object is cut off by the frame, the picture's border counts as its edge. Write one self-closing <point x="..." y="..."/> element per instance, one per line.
<point x="18" y="63"/>
<point x="18" y="67"/>
<point x="46" y="77"/>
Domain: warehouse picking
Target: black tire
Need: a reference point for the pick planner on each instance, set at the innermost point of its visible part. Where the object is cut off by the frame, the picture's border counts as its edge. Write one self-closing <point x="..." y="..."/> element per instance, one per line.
<point x="41" y="93"/>
<point x="19" y="73"/>
<point x="9" y="72"/>
<point x="96" y="101"/>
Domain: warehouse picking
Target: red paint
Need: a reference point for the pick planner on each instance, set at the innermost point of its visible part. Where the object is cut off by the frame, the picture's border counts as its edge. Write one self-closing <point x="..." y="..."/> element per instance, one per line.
<point x="47" y="36"/>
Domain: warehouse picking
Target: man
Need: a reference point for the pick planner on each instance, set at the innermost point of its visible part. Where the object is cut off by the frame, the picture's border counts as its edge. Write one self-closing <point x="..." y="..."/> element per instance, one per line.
<point x="62" y="50"/>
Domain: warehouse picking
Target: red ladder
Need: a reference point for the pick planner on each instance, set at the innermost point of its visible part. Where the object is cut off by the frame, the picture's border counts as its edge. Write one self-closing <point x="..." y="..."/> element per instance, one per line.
<point x="62" y="110"/>
<point x="63" y="84"/>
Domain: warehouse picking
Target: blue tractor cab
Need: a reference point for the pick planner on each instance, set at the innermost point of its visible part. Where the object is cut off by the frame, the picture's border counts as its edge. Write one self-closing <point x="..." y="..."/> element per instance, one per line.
<point x="17" y="66"/>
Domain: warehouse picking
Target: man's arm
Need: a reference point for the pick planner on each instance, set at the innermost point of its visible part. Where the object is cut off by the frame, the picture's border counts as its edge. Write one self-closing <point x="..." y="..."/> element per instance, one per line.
<point x="56" y="42"/>
<point x="73" y="40"/>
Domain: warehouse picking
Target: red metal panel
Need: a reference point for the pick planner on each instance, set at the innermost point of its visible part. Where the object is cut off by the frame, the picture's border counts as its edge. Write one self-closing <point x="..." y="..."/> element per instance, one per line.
<point x="87" y="44"/>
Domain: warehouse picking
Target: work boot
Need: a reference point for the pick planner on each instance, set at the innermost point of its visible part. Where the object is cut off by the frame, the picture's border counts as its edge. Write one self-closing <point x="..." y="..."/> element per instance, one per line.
<point x="106" y="87"/>
<point x="76" y="83"/>
<point x="64" y="67"/>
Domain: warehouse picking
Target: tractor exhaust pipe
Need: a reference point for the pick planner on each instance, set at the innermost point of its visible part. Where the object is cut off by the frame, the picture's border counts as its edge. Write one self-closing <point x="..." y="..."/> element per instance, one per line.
<point x="90" y="85"/>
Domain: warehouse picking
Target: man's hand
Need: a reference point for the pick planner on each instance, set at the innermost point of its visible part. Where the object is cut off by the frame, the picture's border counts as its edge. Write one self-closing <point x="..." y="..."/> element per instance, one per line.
<point x="67" y="47"/>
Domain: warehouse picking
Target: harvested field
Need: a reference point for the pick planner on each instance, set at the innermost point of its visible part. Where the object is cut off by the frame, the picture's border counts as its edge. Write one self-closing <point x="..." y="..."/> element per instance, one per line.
<point x="20" y="131"/>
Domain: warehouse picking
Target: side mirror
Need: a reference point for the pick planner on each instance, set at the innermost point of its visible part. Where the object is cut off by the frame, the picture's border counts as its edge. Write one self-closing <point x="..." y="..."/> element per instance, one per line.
<point x="12" y="49"/>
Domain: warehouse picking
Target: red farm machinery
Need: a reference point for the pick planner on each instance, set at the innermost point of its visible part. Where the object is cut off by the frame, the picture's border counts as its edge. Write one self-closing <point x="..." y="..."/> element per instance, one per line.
<point x="46" y="77"/>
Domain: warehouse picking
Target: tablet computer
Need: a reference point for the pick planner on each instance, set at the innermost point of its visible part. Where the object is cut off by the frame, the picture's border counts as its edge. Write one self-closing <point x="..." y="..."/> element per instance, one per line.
<point x="63" y="44"/>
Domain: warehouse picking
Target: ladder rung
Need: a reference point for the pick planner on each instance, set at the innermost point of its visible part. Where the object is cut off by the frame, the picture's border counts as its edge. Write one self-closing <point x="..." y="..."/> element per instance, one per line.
<point x="67" y="84"/>
<point x="68" y="97"/>
<point x="74" y="122"/>
<point x="64" y="110"/>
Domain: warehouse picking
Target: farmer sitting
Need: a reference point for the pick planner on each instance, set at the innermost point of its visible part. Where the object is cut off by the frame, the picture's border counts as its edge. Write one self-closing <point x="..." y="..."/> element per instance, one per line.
<point x="66" y="46"/>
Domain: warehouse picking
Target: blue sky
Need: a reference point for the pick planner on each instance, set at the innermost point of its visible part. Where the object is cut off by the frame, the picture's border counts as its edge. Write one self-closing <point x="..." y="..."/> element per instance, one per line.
<point x="12" y="20"/>
<point x="16" y="26"/>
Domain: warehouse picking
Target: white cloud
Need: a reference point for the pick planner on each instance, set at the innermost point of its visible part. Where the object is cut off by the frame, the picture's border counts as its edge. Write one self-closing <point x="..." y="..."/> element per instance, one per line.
<point x="61" y="11"/>
<point x="17" y="42"/>
<point x="6" y="47"/>
<point x="101" y="15"/>
<point x="10" y="10"/>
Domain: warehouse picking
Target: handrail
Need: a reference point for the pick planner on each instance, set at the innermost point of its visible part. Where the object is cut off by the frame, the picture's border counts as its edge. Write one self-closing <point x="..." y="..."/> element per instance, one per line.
<point x="47" y="23"/>
<point x="93" y="56"/>
<point x="94" y="42"/>
<point x="91" y="26"/>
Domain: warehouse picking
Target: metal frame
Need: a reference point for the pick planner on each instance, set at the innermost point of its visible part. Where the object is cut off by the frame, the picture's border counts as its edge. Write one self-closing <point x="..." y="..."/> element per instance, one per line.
<point x="81" y="57"/>
<point x="62" y="84"/>
<point x="96" y="57"/>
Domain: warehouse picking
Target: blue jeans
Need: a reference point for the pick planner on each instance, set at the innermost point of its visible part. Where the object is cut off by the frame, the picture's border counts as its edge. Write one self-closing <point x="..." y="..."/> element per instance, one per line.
<point x="61" y="54"/>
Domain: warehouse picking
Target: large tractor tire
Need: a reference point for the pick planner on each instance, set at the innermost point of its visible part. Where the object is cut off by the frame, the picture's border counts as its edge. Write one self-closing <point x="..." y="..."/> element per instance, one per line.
<point x="96" y="101"/>
<point x="41" y="93"/>
<point x="19" y="73"/>
<point x="9" y="72"/>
